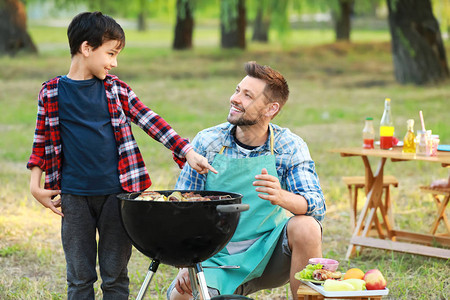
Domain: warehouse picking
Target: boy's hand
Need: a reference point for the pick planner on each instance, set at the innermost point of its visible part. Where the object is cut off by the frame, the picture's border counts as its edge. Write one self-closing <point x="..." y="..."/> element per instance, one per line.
<point x="45" y="198"/>
<point x="183" y="282"/>
<point x="199" y="163"/>
<point x="42" y="195"/>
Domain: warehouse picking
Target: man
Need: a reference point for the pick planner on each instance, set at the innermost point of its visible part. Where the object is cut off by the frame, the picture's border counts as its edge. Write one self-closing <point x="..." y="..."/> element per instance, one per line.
<point x="273" y="169"/>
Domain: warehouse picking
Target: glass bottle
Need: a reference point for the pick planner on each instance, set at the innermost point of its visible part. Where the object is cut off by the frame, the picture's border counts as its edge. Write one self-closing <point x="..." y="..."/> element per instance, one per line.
<point x="409" y="143"/>
<point x="423" y="142"/>
<point x="368" y="134"/>
<point x="386" y="127"/>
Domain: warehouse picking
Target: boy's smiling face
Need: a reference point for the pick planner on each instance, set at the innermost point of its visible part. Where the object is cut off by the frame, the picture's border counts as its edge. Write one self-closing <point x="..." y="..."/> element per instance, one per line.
<point x="101" y="60"/>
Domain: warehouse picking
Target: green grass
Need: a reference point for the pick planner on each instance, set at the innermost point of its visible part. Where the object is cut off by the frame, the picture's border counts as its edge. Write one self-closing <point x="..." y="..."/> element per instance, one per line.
<point x="334" y="87"/>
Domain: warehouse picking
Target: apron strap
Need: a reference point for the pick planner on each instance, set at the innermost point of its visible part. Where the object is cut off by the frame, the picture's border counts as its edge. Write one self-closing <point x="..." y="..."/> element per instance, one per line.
<point x="221" y="150"/>
<point x="271" y="141"/>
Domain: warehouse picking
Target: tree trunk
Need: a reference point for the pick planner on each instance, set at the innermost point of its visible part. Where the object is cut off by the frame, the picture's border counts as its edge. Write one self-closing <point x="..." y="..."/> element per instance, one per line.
<point x="417" y="48"/>
<point x="343" y="20"/>
<point x="142" y="24"/>
<point x="142" y="16"/>
<point x="233" y="23"/>
<point x="261" y="25"/>
<point x="184" y="27"/>
<point x="13" y="28"/>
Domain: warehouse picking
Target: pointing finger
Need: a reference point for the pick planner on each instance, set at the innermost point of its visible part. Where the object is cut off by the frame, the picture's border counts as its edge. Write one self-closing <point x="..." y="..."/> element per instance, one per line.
<point x="212" y="169"/>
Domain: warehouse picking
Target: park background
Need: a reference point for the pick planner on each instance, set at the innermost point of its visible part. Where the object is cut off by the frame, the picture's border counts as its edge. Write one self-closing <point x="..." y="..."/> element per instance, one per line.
<point x="335" y="84"/>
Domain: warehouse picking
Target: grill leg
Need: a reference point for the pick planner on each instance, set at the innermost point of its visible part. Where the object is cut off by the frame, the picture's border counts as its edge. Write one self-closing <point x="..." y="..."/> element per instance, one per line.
<point x="198" y="282"/>
<point x="194" y="283"/>
<point x="148" y="278"/>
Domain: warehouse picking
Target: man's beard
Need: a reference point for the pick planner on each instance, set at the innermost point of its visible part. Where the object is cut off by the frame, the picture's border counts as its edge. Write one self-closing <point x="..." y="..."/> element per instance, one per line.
<point x="242" y="121"/>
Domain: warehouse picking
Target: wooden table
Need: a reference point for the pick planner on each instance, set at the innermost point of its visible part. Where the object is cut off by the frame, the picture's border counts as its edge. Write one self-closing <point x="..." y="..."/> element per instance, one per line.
<point x="388" y="237"/>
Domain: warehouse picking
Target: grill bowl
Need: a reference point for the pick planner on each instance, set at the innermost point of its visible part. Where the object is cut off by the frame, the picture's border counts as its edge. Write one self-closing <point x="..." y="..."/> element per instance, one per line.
<point x="183" y="233"/>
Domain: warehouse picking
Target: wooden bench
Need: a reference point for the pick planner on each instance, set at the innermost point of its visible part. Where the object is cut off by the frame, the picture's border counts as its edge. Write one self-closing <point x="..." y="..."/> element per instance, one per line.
<point x="304" y="292"/>
<point x="441" y="198"/>
<point x="355" y="183"/>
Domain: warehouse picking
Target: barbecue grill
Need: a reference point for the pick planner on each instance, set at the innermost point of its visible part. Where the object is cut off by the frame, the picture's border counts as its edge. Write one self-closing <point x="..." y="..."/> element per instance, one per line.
<point x="181" y="233"/>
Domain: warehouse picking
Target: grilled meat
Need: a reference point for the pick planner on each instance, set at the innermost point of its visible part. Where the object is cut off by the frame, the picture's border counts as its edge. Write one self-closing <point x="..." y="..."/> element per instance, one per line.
<point x="323" y="274"/>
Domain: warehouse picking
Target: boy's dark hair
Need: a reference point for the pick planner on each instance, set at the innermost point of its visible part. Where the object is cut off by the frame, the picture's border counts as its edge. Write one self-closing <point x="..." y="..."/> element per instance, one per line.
<point x="95" y="28"/>
<point x="277" y="89"/>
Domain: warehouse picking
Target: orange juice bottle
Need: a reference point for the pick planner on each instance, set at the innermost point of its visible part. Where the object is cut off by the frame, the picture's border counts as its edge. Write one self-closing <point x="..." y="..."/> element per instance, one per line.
<point x="386" y="127"/>
<point x="368" y="134"/>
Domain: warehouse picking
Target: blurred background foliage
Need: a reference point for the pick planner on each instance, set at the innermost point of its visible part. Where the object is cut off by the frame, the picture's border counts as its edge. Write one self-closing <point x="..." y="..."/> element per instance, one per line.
<point x="415" y="26"/>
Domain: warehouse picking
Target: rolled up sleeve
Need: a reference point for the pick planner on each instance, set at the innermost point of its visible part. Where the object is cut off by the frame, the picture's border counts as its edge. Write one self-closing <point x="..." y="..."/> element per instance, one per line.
<point x="301" y="178"/>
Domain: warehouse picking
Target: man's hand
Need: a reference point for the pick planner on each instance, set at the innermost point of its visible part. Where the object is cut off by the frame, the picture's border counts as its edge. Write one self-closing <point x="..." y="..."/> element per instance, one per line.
<point x="183" y="282"/>
<point x="270" y="185"/>
<point x="45" y="198"/>
<point x="199" y="163"/>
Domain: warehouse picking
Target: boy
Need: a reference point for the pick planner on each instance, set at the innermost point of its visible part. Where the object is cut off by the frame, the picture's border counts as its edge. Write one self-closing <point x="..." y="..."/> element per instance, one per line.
<point x="84" y="144"/>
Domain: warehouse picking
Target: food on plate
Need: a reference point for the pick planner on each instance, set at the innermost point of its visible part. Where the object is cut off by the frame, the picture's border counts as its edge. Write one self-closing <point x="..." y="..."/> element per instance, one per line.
<point x="331" y="285"/>
<point x="334" y="281"/>
<point x="327" y="263"/>
<point x="354" y="273"/>
<point x="358" y="284"/>
<point x="319" y="269"/>
<point x="307" y="272"/>
<point x="178" y="196"/>
<point x="322" y="274"/>
<point x="374" y="280"/>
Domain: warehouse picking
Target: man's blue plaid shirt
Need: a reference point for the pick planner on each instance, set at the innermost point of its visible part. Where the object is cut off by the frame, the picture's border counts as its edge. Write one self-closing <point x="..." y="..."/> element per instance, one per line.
<point x="295" y="167"/>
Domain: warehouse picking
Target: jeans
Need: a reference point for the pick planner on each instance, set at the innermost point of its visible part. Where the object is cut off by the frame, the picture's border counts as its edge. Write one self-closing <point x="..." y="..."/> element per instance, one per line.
<point x="83" y="217"/>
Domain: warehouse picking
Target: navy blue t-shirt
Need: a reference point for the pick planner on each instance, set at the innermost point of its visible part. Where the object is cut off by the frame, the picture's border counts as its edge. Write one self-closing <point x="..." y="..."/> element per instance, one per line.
<point x="89" y="152"/>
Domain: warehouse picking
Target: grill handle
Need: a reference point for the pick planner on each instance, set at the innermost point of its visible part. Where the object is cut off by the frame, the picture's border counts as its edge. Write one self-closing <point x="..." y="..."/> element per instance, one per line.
<point x="232" y="208"/>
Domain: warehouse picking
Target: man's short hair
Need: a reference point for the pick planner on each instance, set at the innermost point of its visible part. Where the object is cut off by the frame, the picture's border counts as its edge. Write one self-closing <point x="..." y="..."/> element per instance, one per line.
<point x="95" y="28"/>
<point x="277" y="89"/>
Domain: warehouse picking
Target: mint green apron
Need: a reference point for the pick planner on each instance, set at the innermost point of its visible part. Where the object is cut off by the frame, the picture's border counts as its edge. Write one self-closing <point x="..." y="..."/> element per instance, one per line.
<point x="259" y="228"/>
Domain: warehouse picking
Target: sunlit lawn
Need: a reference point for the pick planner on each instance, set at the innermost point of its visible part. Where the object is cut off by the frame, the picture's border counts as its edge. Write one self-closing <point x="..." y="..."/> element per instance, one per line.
<point x="333" y="88"/>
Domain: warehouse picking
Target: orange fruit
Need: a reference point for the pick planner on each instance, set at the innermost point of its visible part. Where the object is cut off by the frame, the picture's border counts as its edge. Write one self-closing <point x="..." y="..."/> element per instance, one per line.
<point x="354" y="273"/>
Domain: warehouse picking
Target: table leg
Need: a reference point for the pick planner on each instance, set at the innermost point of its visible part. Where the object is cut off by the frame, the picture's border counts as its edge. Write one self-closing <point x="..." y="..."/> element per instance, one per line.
<point x="374" y="186"/>
<point x="441" y="205"/>
<point x="378" y="227"/>
<point x="353" y="204"/>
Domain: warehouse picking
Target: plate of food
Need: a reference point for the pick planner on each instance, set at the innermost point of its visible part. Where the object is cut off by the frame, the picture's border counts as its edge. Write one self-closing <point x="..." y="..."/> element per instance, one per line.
<point x="332" y="283"/>
<point x="338" y="291"/>
<point x="318" y="270"/>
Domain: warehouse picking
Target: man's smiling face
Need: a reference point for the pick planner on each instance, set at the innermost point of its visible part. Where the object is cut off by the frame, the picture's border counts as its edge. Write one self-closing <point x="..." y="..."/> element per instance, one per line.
<point x="248" y="103"/>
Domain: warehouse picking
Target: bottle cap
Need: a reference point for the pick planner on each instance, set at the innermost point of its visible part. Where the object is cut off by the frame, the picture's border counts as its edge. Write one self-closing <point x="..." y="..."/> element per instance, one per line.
<point x="387" y="99"/>
<point x="369" y="118"/>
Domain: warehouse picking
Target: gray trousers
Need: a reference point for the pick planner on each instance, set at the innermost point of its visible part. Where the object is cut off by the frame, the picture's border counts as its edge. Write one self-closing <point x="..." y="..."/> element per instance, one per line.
<point x="83" y="217"/>
<point x="275" y="274"/>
